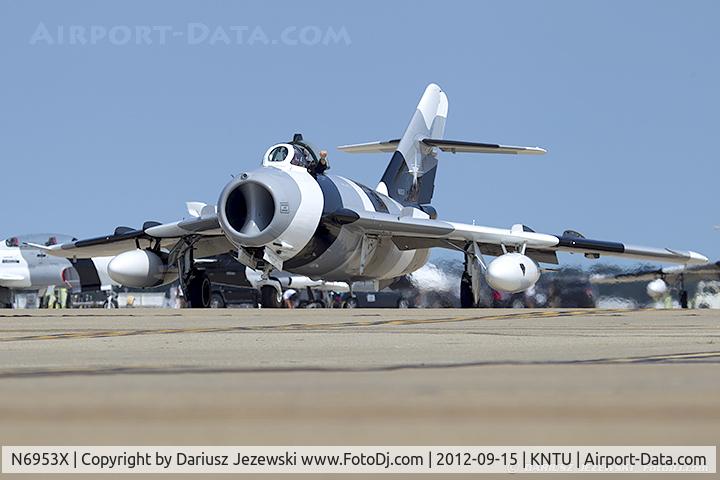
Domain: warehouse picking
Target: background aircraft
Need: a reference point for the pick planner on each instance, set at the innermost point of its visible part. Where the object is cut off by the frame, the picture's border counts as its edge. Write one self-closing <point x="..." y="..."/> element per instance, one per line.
<point x="664" y="280"/>
<point x="289" y="216"/>
<point x="24" y="267"/>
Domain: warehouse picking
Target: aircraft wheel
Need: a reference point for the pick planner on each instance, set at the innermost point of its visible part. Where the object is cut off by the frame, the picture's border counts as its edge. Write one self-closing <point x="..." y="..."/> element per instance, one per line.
<point x="403" y="303"/>
<point x="351" y="303"/>
<point x="199" y="291"/>
<point x="111" y="303"/>
<point x="270" y="297"/>
<point x="217" y="301"/>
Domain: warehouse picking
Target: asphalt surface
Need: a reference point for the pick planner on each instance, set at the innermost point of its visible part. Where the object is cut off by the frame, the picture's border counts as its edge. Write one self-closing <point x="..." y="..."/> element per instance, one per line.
<point x="360" y="377"/>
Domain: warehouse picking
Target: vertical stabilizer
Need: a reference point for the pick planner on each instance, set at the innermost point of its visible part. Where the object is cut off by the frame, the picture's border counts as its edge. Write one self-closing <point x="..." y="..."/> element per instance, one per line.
<point x="410" y="176"/>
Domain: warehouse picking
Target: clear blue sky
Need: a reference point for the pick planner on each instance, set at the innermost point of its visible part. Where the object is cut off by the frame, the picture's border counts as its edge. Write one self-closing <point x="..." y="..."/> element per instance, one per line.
<point x="624" y="95"/>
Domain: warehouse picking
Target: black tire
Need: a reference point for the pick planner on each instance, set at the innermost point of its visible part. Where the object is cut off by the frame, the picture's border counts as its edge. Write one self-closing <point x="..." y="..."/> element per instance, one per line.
<point x="217" y="301"/>
<point x="270" y="297"/>
<point x="112" y="304"/>
<point x="351" y="302"/>
<point x="199" y="291"/>
<point x="403" y="303"/>
<point x="466" y="294"/>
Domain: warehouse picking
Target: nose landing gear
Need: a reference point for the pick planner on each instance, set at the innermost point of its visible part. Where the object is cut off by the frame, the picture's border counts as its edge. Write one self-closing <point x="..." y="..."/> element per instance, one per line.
<point x="270" y="297"/>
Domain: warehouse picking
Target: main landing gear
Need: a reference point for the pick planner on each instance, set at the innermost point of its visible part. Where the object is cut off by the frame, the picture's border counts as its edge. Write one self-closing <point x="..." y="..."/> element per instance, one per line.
<point x="466" y="293"/>
<point x="194" y="282"/>
<point x="470" y="279"/>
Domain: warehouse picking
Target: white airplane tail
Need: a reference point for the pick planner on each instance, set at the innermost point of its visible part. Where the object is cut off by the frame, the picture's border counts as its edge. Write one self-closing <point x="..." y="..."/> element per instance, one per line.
<point x="410" y="176"/>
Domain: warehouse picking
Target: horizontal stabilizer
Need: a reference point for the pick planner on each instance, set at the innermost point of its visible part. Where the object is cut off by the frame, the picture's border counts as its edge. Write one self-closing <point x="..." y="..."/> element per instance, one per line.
<point x="388" y="146"/>
<point x="452" y="146"/>
<point x="456" y="146"/>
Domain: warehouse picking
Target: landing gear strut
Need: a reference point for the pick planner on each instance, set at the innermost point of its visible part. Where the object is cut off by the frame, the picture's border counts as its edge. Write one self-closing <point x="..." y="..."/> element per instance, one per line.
<point x="466" y="294"/>
<point x="194" y="283"/>
<point x="470" y="280"/>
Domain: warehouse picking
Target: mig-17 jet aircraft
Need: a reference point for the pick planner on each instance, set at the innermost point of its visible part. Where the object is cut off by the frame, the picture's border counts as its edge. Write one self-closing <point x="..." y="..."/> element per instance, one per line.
<point x="291" y="215"/>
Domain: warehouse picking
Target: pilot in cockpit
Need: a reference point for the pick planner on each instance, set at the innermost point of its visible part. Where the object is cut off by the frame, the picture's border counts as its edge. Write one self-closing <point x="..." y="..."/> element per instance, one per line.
<point x="299" y="157"/>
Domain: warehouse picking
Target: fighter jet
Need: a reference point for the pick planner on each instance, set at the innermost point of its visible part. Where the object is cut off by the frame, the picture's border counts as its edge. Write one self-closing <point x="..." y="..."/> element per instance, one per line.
<point x="292" y="215"/>
<point x="24" y="265"/>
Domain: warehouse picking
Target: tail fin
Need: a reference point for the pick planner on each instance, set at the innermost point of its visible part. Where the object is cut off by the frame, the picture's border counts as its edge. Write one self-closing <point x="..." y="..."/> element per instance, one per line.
<point x="410" y="176"/>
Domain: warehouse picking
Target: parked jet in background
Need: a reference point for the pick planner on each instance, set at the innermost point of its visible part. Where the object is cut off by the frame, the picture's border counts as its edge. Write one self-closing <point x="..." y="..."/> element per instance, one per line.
<point x="663" y="280"/>
<point x="290" y="215"/>
<point x="28" y="268"/>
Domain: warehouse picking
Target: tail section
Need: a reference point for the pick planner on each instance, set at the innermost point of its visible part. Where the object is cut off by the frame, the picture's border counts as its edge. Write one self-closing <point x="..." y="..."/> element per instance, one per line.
<point x="410" y="176"/>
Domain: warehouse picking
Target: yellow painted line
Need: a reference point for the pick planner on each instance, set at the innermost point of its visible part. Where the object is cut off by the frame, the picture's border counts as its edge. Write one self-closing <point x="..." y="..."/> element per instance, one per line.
<point x="317" y="326"/>
<point x="658" y="358"/>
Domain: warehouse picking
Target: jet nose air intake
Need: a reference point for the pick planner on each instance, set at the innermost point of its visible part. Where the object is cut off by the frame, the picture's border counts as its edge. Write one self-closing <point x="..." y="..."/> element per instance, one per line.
<point x="256" y="207"/>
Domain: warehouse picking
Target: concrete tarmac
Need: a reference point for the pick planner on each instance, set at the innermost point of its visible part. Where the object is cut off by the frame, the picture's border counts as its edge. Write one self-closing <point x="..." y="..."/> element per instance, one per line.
<point x="360" y="377"/>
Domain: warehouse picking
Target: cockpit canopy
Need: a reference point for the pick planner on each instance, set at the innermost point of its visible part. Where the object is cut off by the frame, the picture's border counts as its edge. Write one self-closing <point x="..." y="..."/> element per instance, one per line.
<point x="295" y="153"/>
<point x="284" y="152"/>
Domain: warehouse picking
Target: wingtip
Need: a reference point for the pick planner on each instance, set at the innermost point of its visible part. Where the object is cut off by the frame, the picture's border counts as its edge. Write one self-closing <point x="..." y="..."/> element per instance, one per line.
<point x="698" y="258"/>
